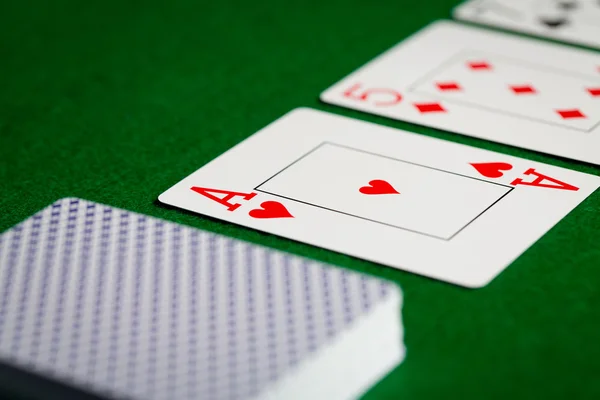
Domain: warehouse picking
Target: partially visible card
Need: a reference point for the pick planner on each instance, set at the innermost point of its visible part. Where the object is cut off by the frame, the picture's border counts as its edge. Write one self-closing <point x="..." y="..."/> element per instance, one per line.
<point x="490" y="85"/>
<point x="575" y="21"/>
<point x="436" y="208"/>
<point x="127" y="306"/>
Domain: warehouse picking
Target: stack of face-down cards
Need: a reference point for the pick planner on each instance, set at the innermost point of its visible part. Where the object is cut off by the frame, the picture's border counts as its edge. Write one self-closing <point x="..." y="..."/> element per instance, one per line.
<point x="120" y="305"/>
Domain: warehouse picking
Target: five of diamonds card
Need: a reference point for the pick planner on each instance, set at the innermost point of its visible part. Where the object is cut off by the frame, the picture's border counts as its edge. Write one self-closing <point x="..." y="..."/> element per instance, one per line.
<point x="432" y="207"/>
<point x="494" y="86"/>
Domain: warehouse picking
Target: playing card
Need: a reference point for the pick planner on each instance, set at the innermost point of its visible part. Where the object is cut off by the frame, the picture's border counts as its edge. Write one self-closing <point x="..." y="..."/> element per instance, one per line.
<point x="128" y="306"/>
<point x="436" y="208"/>
<point x="575" y="21"/>
<point x="494" y="86"/>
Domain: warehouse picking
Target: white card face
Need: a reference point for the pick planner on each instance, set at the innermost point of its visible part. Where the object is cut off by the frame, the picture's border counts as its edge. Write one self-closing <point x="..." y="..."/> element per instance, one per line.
<point x="329" y="177"/>
<point x="494" y="86"/>
<point x="574" y="21"/>
<point x="436" y="208"/>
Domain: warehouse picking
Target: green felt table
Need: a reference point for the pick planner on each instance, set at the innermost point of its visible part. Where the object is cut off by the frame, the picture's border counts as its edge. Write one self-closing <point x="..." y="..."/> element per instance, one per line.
<point x="115" y="101"/>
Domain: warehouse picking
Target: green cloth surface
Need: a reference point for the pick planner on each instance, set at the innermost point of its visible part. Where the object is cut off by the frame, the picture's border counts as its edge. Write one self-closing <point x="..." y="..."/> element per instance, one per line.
<point x="116" y="101"/>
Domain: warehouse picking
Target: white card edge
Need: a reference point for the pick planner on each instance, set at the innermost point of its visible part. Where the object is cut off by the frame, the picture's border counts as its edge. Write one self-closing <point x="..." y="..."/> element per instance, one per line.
<point x="329" y="375"/>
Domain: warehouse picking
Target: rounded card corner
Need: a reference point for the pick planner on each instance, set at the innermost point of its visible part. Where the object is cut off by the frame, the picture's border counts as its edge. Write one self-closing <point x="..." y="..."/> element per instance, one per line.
<point x="477" y="283"/>
<point x="300" y="110"/>
<point x="162" y="198"/>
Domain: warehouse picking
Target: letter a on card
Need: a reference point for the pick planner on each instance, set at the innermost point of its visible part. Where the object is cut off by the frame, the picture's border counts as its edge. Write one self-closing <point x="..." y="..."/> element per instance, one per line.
<point x="540" y="179"/>
<point x="224" y="200"/>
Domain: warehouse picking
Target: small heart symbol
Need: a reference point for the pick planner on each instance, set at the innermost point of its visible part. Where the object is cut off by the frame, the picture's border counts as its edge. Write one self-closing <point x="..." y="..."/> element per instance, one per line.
<point x="378" y="186"/>
<point x="493" y="169"/>
<point x="271" y="209"/>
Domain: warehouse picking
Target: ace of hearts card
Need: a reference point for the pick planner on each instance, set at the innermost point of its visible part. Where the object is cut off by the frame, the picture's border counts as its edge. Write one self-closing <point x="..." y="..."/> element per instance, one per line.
<point x="428" y="206"/>
<point x="500" y="87"/>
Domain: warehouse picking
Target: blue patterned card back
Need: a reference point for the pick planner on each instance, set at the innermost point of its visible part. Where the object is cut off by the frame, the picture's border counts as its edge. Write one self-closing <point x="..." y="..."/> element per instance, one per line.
<point x="131" y="306"/>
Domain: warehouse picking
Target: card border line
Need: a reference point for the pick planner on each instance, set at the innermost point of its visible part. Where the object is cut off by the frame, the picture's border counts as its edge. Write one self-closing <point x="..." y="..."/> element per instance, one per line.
<point x="257" y="188"/>
<point x="413" y="88"/>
